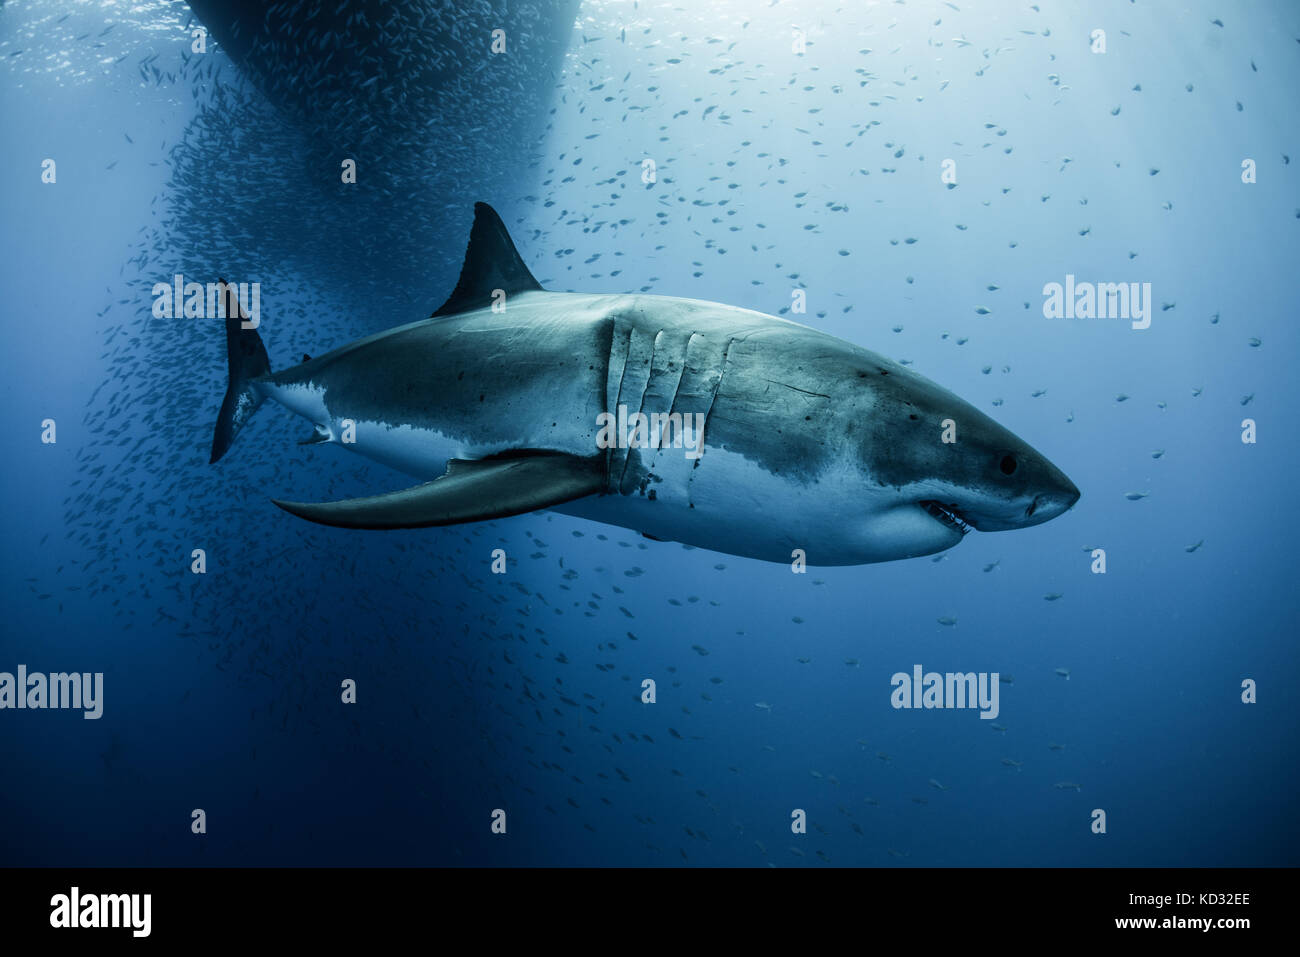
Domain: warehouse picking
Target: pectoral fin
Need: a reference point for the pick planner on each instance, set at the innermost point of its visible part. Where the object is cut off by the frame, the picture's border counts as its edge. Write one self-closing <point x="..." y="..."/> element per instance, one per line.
<point x="469" y="492"/>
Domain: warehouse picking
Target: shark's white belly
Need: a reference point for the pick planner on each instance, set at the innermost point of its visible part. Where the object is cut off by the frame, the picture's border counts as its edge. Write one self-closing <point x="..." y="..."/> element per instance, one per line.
<point x="733" y="505"/>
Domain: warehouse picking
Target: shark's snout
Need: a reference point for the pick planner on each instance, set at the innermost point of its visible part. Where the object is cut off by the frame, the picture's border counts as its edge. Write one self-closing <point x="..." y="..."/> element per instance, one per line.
<point x="1051" y="494"/>
<point x="1048" y="505"/>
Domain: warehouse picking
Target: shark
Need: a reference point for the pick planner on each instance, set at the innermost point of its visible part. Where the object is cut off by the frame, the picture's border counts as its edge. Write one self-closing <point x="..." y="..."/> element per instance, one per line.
<point x="684" y="420"/>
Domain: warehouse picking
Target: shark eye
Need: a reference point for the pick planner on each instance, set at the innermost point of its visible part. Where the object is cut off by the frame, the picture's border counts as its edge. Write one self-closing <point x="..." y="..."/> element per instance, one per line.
<point x="1008" y="464"/>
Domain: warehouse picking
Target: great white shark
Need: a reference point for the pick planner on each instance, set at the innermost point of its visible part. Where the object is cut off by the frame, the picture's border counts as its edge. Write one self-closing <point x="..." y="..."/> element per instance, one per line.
<point x="681" y="419"/>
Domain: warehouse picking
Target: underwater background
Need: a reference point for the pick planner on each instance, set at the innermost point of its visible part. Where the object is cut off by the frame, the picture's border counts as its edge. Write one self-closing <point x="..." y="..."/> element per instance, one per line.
<point x="795" y="146"/>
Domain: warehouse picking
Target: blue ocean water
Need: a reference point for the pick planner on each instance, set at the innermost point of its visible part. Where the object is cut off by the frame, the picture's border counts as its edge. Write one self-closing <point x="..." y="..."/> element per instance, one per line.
<point x="796" y="146"/>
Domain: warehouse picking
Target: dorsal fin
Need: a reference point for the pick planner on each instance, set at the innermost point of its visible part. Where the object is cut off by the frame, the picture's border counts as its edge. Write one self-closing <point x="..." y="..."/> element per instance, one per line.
<point x="491" y="262"/>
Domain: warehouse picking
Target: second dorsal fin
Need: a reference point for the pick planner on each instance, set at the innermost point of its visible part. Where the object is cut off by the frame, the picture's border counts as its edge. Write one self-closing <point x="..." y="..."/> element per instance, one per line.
<point x="491" y="262"/>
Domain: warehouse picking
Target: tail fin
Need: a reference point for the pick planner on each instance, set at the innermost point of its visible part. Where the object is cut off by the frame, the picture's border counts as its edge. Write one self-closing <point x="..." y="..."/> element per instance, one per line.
<point x="247" y="358"/>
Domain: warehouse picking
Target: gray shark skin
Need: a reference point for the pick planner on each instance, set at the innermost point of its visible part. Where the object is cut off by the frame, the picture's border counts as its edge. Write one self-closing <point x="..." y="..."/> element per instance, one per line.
<point x="808" y="443"/>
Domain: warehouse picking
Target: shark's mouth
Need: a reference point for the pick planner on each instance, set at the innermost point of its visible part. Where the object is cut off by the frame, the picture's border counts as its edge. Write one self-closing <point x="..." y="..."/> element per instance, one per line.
<point x="948" y="515"/>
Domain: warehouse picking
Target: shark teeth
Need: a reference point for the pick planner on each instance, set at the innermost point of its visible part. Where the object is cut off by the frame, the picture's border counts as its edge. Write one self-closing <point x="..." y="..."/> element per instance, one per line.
<point x="947" y="514"/>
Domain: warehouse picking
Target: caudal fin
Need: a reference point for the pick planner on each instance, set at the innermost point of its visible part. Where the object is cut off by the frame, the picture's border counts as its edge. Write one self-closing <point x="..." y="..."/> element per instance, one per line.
<point x="247" y="360"/>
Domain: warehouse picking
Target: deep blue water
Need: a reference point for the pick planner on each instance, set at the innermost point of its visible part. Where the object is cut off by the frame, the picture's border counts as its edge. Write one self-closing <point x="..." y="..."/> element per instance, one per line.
<point x="222" y="690"/>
